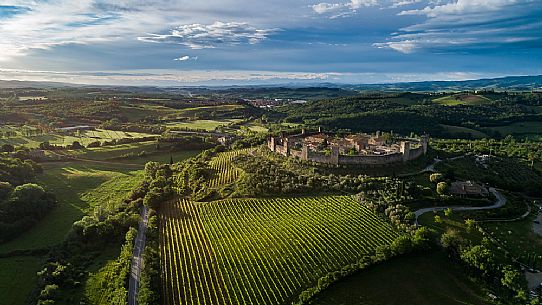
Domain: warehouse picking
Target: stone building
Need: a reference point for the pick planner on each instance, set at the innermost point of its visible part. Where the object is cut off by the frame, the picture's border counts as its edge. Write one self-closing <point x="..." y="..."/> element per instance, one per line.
<point x="356" y="149"/>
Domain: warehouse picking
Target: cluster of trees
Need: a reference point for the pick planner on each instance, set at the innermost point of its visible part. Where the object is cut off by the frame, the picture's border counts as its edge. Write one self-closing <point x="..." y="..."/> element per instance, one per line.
<point x="104" y="228"/>
<point x="22" y="203"/>
<point x="17" y="172"/>
<point x="21" y="207"/>
<point x="150" y="286"/>
<point x="406" y="112"/>
<point x="481" y="263"/>
<point x="388" y="200"/>
<point x="505" y="173"/>
<point x="264" y="176"/>
<point x="509" y="147"/>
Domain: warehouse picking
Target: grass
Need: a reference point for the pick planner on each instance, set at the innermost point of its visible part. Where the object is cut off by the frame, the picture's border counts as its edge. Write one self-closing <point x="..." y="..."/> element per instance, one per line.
<point x="257" y="127"/>
<point x="208" y="125"/>
<point x="17" y="278"/>
<point x="461" y="99"/>
<point x="420" y="279"/>
<point x="520" y="129"/>
<point x="459" y="131"/>
<point x="262" y="251"/>
<point x="79" y="188"/>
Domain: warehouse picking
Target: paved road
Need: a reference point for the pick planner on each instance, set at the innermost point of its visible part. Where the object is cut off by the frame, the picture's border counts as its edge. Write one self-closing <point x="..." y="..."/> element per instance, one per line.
<point x="137" y="260"/>
<point x="501" y="201"/>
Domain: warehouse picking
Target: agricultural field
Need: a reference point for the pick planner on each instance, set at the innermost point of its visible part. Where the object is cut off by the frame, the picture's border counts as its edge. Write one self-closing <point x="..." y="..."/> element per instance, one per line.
<point x="207" y="125"/>
<point x="420" y="279"/>
<point x="462" y="99"/>
<point x="30" y="138"/>
<point x="224" y="170"/>
<point x="261" y="251"/>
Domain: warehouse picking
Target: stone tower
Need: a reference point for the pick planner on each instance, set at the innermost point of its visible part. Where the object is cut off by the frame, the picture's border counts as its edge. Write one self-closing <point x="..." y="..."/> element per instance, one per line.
<point x="271" y="144"/>
<point x="425" y="143"/>
<point x="335" y="155"/>
<point x="305" y="152"/>
<point x="405" y="150"/>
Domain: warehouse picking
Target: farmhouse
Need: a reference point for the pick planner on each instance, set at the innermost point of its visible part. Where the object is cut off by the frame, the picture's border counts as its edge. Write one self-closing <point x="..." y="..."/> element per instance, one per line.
<point x="355" y="149"/>
<point x="468" y="189"/>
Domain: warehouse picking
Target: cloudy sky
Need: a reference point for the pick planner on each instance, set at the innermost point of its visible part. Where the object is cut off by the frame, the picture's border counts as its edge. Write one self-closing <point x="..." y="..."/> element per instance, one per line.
<point x="179" y="42"/>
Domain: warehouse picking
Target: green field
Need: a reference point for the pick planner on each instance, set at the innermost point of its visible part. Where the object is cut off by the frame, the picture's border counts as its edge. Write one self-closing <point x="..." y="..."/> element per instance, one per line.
<point x="208" y="125"/>
<point x="262" y="251"/>
<point x="55" y="138"/>
<point x="17" y="278"/>
<point x="420" y="279"/>
<point x="462" y="99"/>
<point x="520" y="129"/>
<point x="79" y="187"/>
<point x="459" y="130"/>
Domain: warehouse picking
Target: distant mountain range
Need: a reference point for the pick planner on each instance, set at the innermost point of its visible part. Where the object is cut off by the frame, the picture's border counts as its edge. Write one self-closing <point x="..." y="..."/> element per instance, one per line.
<point x="517" y="83"/>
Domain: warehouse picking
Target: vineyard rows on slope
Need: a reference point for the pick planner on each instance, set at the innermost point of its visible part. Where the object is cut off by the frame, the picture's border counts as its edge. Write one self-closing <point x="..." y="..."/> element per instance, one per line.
<point x="225" y="171"/>
<point x="262" y="251"/>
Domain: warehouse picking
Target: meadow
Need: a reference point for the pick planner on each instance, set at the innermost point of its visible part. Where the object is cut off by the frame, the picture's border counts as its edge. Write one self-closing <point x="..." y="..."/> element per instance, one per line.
<point x="17" y="278"/>
<point x="462" y="99"/>
<point x="444" y="283"/>
<point x="79" y="187"/>
<point x="207" y="125"/>
<point x="261" y="251"/>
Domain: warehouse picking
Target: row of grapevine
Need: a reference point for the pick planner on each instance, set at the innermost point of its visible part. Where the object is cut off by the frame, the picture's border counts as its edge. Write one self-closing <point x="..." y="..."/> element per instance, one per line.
<point x="190" y="274"/>
<point x="263" y="251"/>
<point x="225" y="171"/>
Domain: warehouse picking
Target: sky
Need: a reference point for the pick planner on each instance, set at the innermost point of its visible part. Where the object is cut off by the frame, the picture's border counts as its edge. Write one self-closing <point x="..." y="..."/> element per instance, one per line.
<point x="238" y="42"/>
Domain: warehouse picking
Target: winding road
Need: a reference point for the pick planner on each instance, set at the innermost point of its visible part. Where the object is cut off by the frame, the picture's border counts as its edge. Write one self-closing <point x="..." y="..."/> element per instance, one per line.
<point x="501" y="201"/>
<point x="137" y="260"/>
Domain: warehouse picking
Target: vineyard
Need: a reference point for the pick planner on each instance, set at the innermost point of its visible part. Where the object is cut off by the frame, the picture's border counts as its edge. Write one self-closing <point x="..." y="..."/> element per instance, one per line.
<point x="224" y="170"/>
<point x="261" y="251"/>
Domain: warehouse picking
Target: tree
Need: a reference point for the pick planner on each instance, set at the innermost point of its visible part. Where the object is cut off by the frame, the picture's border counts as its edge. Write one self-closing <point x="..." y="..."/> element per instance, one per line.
<point x="436" y="177"/>
<point x="452" y="241"/>
<point x="512" y="278"/>
<point x="438" y="219"/>
<point x="442" y="188"/>
<point x="5" y="190"/>
<point x="470" y="224"/>
<point x="448" y="212"/>
<point x="7" y="148"/>
<point x="77" y="145"/>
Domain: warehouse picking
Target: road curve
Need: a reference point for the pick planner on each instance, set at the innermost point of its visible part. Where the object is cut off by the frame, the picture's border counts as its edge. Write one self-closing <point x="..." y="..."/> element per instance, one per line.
<point x="137" y="259"/>
<point x="501" y="201"/>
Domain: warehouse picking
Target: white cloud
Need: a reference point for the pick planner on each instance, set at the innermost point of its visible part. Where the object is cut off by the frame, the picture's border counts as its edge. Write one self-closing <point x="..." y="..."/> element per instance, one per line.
<point x="342" y="9"/>
<point x="203" y="36"/>
<point x="457" y="24"/>
<point x="186" y="57"/>
<point x="460" y="7"/>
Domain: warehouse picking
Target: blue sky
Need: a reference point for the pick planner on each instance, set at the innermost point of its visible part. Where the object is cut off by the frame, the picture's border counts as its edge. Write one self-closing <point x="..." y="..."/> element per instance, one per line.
<point x="174" y="42"/>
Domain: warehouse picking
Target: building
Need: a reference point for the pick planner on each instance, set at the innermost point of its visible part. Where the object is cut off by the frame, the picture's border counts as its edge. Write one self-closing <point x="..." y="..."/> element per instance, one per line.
<point x="356" y="149"/>
<point x="468" y="189"/>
